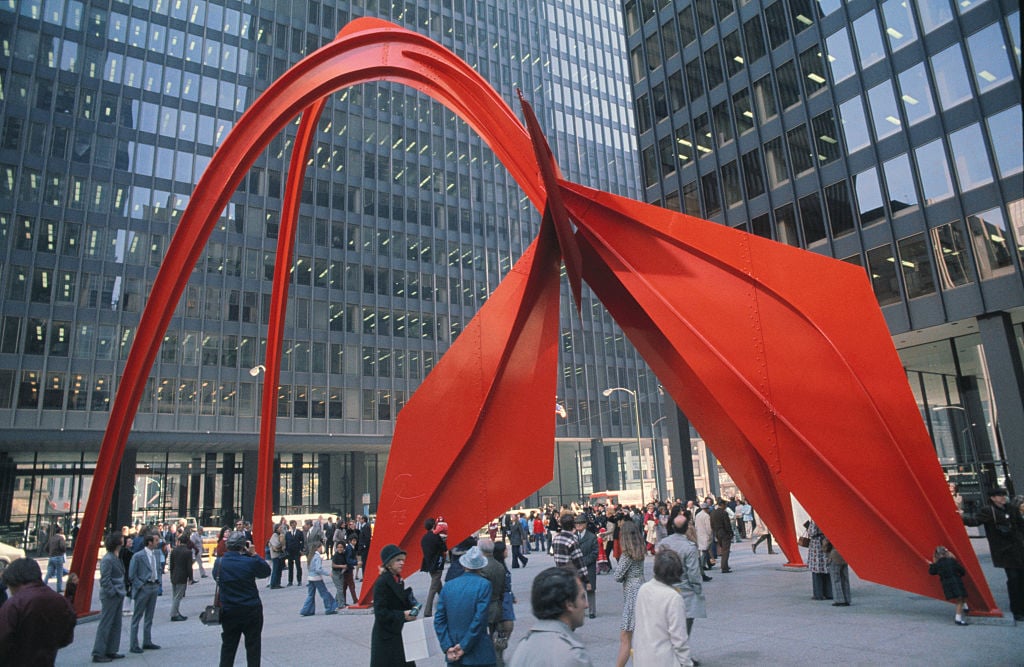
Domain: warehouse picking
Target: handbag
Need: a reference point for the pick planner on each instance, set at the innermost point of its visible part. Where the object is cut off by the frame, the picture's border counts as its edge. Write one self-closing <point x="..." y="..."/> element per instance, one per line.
<point x="211" y="615"/>
<point x="804" y="540"/>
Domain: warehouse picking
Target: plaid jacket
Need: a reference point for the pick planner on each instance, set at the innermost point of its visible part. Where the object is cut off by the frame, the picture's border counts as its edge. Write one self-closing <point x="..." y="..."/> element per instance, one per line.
<point x="567" y="552"/>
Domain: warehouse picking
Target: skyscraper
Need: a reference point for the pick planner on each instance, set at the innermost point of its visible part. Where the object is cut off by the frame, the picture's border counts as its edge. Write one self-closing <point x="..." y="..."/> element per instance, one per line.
<point x="111" y="111"/>
<point x="885" y="134"/>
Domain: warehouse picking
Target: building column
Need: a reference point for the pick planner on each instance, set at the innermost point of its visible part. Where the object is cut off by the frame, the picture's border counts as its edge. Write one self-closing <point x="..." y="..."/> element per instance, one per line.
<point x="677" y="426"/>
<point x="227" y="491"/>
<point x="250" y="464"/>
<point x="1006" y="372"/>
<point x="206" y="509"/>
<point x="190" y="487"/>
<point x="323" y="487"/>
<point x="598" y="476"/>
<point x="124" y="491"/>
<point x="8" y="473"/>
<point x="296" y="497"/>
<point x="359" y="481"/>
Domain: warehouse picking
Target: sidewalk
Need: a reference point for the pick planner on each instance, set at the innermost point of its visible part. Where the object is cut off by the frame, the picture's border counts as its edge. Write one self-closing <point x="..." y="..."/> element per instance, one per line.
<point x="760" y="614"/>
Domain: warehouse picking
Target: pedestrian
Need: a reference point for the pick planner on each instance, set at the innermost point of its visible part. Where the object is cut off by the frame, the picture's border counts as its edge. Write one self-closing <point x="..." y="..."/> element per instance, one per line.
<point x="126" y="554"/>
<point x="462" y="614"/>
<point x="363" y="545"/>
<point x="35" y="622"/>
<point x="951" y="575"/>
<point x="722" y="529"/>
<point x="661" y="637"/>
<point x="434" y="548"/>
<point x="559" y="602"/>
<point x="294" y="545"/>
<point x="56" y="549"/>
<point x="181" y="574"/>
<point x="277" y="551"/>
<point x="629" y="571"/>
<point x="691" y="584"/>
<point x="338" y="567"/>
<point x="241" y="608"/>
<point x="315" y="584"/>
<point x="1004" y="528"/>
<point x="517" y="538"/>
<point x="196" y="541"/>
<point x="817" y="563"/>
<point x="566" y="550"/>
<point x="507" y="620"/>
<point x="145" y="575"/>
<point x="455" y="568"/>
<point x="392" y="609"/>
<point x="764" y="535"/>
<point x="838" y="574"/>
<point x="112" y="592"/>
<point x="705" y="536"/>
<point x="493" y="572"/>
<point x="588" y="549"/>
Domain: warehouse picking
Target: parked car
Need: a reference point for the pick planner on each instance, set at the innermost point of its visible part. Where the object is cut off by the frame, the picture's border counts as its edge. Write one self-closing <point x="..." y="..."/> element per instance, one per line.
<point x="210" y="542"/>
<point x="9" y="554"/>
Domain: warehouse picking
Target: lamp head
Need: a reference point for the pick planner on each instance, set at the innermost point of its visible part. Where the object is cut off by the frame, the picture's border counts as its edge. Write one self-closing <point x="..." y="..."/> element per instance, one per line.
<point x="607" y="392"/>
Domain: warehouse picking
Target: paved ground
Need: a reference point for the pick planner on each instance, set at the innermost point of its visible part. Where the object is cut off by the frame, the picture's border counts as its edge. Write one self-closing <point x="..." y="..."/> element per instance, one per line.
<point x="759" y="614"/>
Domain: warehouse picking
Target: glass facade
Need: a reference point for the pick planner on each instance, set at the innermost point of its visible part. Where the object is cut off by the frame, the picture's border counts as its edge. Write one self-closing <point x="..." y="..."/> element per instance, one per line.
<point x="111" y="111"/>
<point x="906" y="116"/>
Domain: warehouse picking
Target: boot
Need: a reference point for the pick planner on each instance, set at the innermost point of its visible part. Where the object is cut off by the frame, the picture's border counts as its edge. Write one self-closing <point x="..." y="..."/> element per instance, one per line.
<point x="753" y="547"/>
<point x="771" y="552"/>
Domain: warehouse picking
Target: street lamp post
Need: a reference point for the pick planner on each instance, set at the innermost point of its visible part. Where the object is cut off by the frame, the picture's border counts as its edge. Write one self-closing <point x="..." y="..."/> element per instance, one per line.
<point x="639" y="443"/>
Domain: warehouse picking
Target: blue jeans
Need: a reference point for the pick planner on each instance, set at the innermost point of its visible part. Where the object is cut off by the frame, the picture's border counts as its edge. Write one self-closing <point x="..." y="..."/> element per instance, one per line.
<point x="312" y="588"/>
<point x="55" y="567"/>
<point x="276" y="565"/>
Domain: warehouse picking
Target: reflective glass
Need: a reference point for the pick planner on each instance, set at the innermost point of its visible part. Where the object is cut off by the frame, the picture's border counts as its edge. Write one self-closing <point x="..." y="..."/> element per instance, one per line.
<point x="1016" y="212"/>
<point x="869" y="197"/>
<point x="712" y="200"/>
<point x="811" y="219"/>
<point x="869" y="39"/>
<point x="733" y="53"/>
<point x="899" y="23"/>
<point x="753" y="35"/>
<point x="1013" y="25"/>
<point x="785" y="225"/>
<point x="949" y="244"/>
<point x="840" y="55"/>
<point x="951" y="77"/>
<point x="752" y="174"/>
<point x="855" y="124"/>
<point x="934" y="13"/>
<point x="916" y="94"/>
<point x="992" y="243"/>
<point x="933" y="167"/>
<point x="800" y="150"/>
<point x="970" y="157"/>
<point x="840" y="211"/>
<point x="812" y="67"/>
<point x="884" y="111"/>
<point x="731" y="184"/>
<point x="775" y="157"/>
<point x="882" y="269"/>
<point x="991" y="63"/>
<point x="765" y="100"/>
<point x="916" y="263"/>
<point x="899" y="182"/>
<point x="826" y="137"/>
<point x="1006" y="136"/>
<point x="789" y="85"/>
<point x="743" y="112"/>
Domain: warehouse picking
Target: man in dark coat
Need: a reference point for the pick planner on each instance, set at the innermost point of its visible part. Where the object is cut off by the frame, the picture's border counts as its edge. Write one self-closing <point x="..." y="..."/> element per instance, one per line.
<point x="433" y="548"/>
<point x="236" y="573"/>
<point x="721" y="528"/>
<point x="363" y="546"/>
<point x="588" y="547"/>
<point x="181" y="575"/>
<point x="1004" y="528"/>
<point x="35" y="622"/>
<point x="294" y="545"/>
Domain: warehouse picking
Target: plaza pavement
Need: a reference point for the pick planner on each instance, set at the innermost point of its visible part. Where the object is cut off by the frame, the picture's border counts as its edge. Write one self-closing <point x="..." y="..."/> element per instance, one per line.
<point x="760" y="614"/>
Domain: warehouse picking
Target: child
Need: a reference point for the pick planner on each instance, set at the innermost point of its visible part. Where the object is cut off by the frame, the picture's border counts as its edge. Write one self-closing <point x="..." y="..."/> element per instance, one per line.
<point x="950" y="573"/>
<point x="71" y="587"/>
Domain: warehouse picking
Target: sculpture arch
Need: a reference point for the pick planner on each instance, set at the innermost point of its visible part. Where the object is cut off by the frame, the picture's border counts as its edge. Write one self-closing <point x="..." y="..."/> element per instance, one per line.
<point x="745" y="381"/>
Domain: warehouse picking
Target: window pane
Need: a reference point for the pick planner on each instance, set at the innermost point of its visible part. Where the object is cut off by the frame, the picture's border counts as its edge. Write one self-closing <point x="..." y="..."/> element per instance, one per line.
<point x="811" y="219"/>
<point x="650" y="161"/>
<point x="991" y="241"/>
<point x="775" y="156"/>
<point x="723" y="123"/>
<point x="775" y="19"/>
<point x="713" y="66"/>
<point x="813" y="68"/>
<point x="899" y="24"/>
<point x="1013" y="25"/>
<point x="789" y="86"/>
<point x="668" y="33"/>
<point x="1016" y="212"/>
<point x="702" y="133"/>
<point x="743" y="111"/>
<point x="705" y="15"/>
<point x="916" y="94"/>
<point x="666" y="154"/>
<point x="1005" y="132"/>
<point x="826" y="137"/>
<point x="753" y="178"/>
<point x="753" y="35"/>
<point x="654" y="58"/>
<point x="932" y="165"/>
<point x="882" y="269"/>
<point x="840" y="55"/>
<point x="855" y="125"/>
<point x="869" y="197"/>
<point x="970" y="158"/>
<point x="712" y="201"/>
<point x="951" y="77"/>
<point x="916" y="264"/>
<point x="731" y="184"/>
<point x="869" y="39"/>
<point x="684" y="146"/>
<point x="934" y="13"/>
<point x="949" y="243"/>
<point x="900" y="184"/>
<point x="764" y="99"/>
<point x="840" y="212"/>
<point x="733" y="53"/>
<point x="800" y="150"/>
<point x="687" y="31"/>
<point x="991" y="63"/>
<point x="884" y="112"/>
<point x="694" y="80"/>
<point x="785" y="225"/>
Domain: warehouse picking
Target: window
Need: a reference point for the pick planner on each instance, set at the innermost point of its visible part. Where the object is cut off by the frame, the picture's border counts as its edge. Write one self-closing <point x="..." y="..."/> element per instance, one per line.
<point x="812" y="220"/>
<point x="743" y="112"/>
<point x="855" y="125"/>
<point x="990" y="62"/>
<point x="951" y="77"/>
<point x="694" y="80"/>
<point x="899" y="24"/>
<point x="764" y="99"/>
<point x="687" y="31"/>
<point x="800" y="150"/>
<point x="654" y="58"/>
<point x="660" y="103"/>
<point x="691" y="200"/>
<point x="869" y="197"/>
<point x="712" y="201"/>
<point x="666" y="153"/>
<point x="676" y="92"/>
<point x="813" y="68"/>
<point x="723" y="124"/>
<point x="934" y="14"/>
<point x="868" y="39"/>
<point x="753" y="177"/>
<point x="702" y="133"/>
<point x="932" y="165"/>
<point x="650" y="162"/>
<point x="684" y="146"/>
<point x="971" y="160"/>
<point x="840" y="213"/>
<point x="776" y="20"/>
<point x="826" y="137"/>
<point x="713" y="66"/>
<point x="802" y="14"/>
<point x="731" y="184"/>
<point x="733" y="53"/>
<point x="789" y="86"/>
<point x="753" y="35"/>
<point x="785" y="225"/>
<point x="992" y="243"/>
<point x="1005" y="133"/>
<point x="840" y="55"/>
<point x="949" y="243"/>
<point x="916" y="94"/>
<point x="900" y="184"/>
<point x="882" y="269"/>
<point x="916" y="264"/>
<point x="705" y="15"/>
<point x="761" y="226"/>
<point x="884" y="112"/>
<point x="643" y="113"/>
<point x="775" y="157"/>
<point x="668" y="34"/>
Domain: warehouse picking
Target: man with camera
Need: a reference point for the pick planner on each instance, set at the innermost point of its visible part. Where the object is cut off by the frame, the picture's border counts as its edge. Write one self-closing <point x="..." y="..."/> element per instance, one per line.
<point x="241" y="608"/>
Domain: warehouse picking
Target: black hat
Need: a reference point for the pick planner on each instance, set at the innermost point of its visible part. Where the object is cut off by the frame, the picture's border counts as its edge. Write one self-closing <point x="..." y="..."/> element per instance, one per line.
<point x="997" y="491"/>
<point x="389" y="553"/>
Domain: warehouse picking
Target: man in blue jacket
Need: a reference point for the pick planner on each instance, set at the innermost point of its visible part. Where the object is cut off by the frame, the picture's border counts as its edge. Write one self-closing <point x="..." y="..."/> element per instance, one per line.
<point x="241" y="608"/>
<point x="461" y="618"/>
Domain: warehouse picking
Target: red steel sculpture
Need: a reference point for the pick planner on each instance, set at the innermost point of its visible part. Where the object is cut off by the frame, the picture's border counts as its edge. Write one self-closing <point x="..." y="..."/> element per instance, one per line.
<point x="780" y="357"/>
